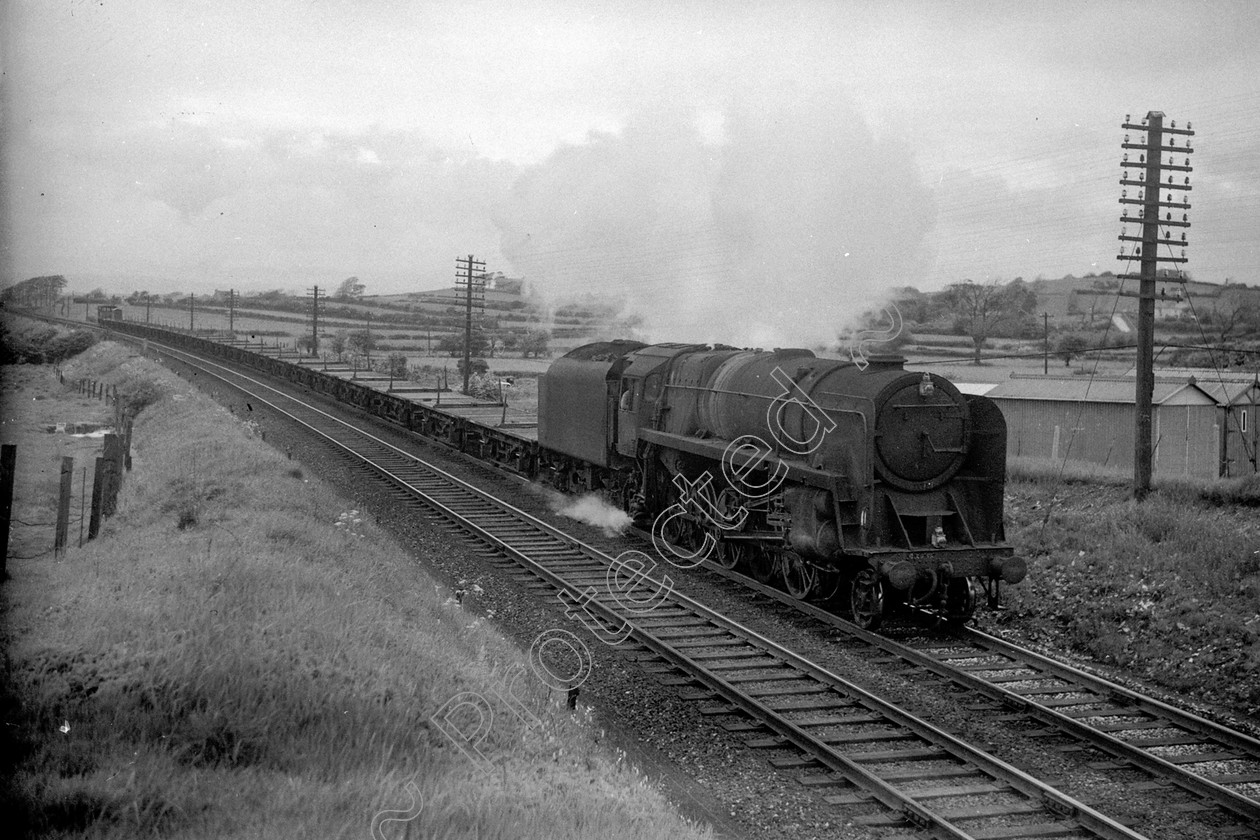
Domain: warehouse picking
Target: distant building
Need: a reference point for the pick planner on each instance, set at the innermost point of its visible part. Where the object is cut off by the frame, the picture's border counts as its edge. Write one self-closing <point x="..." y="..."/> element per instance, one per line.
<point x="507" y="285"/>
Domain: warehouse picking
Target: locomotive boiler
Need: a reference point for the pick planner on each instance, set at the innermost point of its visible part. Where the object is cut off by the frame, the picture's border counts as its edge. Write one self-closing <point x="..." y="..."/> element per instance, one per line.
<point x="827" y="477"/>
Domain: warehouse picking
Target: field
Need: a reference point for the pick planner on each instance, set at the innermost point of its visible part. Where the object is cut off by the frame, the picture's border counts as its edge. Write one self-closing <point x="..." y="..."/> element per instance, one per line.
<point x="242" y="653"/>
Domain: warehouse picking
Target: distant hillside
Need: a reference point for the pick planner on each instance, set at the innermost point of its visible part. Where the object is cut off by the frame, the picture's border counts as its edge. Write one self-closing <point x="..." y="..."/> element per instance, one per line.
<point x="1094" y="296"/>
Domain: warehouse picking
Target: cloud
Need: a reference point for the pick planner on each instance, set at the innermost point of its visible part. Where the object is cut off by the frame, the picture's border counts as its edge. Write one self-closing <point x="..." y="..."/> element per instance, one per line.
<point x="208" y="205"/>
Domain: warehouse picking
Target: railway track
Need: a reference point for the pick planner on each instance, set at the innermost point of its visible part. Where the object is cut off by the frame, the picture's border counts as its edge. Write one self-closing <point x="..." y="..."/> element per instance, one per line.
<point x="858" y="749"/>
<point x="1218" y="766"/>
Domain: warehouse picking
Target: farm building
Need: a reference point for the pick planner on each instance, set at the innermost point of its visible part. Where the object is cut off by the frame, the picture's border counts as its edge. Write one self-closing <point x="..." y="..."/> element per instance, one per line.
<point x="1077" y="418"/>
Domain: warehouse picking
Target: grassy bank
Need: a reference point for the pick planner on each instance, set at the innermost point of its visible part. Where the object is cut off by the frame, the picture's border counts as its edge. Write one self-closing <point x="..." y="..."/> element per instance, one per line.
<point x="1169" y="588"/>
<point x="242" y="655"/>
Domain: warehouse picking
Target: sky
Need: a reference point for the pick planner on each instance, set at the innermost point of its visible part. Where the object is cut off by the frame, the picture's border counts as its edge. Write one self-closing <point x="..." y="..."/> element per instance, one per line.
<point x="737" y="171"/>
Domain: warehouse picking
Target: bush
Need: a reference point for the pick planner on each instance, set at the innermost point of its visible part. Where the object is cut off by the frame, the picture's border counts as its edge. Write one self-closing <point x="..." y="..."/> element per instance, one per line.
<point x="24" y="345"/>
<point x="138" y="394"/>
<point x="477" y="366"/>
<point x="68" y="345"/>
<point x="484" y="387"/>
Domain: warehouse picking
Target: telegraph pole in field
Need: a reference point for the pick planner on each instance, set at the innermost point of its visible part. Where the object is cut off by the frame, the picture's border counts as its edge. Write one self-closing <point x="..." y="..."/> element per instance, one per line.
<point x="232" y="311"/>
<point x="1153" y="178"/>
<point x="191" y="327"/>
<point x="470" y="274"/>
<point x="1045" y="344"/>
<point x="315" y="320"/>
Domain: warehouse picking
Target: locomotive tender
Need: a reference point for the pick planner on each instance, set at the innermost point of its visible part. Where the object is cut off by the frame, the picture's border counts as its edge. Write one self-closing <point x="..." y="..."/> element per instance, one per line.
<point x="818" y="473"/>
<point x="830" y="477"/>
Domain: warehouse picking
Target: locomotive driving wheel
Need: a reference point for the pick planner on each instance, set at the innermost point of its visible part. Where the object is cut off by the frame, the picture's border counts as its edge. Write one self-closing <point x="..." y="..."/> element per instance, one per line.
<point x="761" y="563"/>
<point x="960" y="600"/>
<point x="729" y="553"/>
<point x="800" y="578"/>
<point x="682" y="532"/>
<point x="866" y="599"/>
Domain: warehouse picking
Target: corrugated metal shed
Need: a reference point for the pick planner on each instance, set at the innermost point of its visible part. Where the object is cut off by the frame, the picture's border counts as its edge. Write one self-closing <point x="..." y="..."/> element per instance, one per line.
<point x="1240" y="440"/>
<point x="1087" y="419"/>
<point x="1100" y="389"/>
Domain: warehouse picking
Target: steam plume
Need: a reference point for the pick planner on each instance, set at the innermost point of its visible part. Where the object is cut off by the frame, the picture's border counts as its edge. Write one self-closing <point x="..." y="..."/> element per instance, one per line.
<point x="772" y="223"/>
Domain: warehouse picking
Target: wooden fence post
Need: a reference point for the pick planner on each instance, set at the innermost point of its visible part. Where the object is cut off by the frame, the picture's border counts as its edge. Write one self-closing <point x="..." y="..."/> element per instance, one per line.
<point x="63" y="505"/>
<point x="128" y="423"/>
<point x="98" y="481"/>
<point x="82" y="500"/>
<point x="8" y="462"/>
<point x="113" y="473"/>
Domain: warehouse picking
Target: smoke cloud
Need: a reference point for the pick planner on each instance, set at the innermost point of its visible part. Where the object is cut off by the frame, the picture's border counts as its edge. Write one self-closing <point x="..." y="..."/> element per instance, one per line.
<point x="775" y="220"/>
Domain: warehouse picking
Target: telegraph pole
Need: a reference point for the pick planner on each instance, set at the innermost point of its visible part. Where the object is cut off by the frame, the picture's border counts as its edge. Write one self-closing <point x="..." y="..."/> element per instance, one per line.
<point x="315" y="320"/>
<point x="190" y="312"/>
<point x="1151" y="182"/>
<point x="474" y="284"/>
<point x="148" y="301"/>
<point x="232" y="311"/>
<point x="1045" y="345"/>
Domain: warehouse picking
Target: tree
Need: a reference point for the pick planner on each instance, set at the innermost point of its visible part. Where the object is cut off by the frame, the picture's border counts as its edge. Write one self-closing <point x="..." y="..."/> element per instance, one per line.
<point x="361" y="342"/>
<point x="397" y="365"/>
<point x="1235" y="320"/>
<point x="337" y="343"/>
<point x="453" y="343"/>
<point x="983" y="309"/>
<point x="535" y="343"/>
<point x="914" y="305"/>
<point x="36" y="291"/>
<point x="1069" y="347"/>
<point x="349" y="289"/>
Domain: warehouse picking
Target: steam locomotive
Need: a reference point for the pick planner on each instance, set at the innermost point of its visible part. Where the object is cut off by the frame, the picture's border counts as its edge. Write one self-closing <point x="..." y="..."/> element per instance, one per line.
<point x="829" y="477"/>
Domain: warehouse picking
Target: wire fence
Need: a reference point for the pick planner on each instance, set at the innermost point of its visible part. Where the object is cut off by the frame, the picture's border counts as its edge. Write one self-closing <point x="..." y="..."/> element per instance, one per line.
<point x="106" y="482"/>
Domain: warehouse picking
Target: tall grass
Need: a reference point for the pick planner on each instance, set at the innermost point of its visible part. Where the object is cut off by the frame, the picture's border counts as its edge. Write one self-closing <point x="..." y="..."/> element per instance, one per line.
<point x="228" y="661"/>
<point x="1240" y="490"/>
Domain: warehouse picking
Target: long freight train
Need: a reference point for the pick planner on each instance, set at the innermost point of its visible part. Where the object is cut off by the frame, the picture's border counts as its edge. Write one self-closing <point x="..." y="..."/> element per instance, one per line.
<point x="831" y="478"/>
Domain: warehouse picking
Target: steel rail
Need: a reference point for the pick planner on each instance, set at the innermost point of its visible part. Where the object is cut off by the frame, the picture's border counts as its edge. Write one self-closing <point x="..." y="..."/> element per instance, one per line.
<point x="1085" y="682"/>
<point x="1052" y="801"/>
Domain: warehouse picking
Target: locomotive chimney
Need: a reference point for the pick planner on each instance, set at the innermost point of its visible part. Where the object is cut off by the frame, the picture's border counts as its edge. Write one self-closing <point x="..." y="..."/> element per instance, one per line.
<point x="884" y="361"/>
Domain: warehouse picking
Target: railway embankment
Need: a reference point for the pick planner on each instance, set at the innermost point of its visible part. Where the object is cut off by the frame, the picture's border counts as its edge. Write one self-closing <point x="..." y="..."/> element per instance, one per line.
<point x="243" y="653"/>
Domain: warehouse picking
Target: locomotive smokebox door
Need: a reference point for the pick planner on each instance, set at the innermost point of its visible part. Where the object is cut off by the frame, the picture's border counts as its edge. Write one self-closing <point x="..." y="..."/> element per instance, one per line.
<point x="921" y="435"/>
